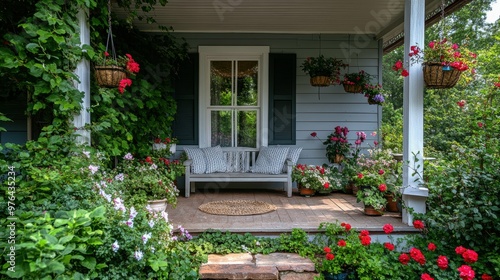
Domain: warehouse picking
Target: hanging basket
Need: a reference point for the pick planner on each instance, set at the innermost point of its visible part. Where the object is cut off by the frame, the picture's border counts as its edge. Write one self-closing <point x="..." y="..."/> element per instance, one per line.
<point x="109" y="76"/>
<point x="320" y="81"/>
<point x="438" y="78"/>
<point x="353" y="88"/>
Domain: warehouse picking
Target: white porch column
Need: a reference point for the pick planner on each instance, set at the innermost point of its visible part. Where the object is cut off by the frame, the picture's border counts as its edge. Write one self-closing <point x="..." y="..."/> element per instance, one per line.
<point x="83" y="72"/>
<point x="413" y="111"/>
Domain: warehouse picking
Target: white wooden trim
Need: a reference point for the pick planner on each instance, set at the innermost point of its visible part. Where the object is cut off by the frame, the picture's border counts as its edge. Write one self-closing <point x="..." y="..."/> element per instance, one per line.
<point x="413" y="108"/>
<point x="207" y="53"/>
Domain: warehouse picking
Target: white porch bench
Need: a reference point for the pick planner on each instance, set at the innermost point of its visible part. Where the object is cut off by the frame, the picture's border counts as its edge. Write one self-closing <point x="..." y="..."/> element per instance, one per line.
<point x="239" y="161"/>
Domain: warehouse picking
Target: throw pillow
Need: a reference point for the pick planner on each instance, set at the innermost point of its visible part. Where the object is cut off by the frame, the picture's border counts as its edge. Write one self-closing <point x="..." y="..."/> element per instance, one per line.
<point x="270" y="160"/>
<point x="293" y="156"/>
<point x="214" y="159"/>
<point x="199" y="164"/>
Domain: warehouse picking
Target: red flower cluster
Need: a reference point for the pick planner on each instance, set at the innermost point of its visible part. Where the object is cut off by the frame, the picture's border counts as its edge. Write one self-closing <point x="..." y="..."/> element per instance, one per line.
<point x="389" y="246"/>
<point x="341" y="243"/>
<point x="431" y="247"/>
<point x="123" y="84"/>
<point x="461" y="103"/>
<point x="382" y="187"/>
<point x="466" y="272"/>
<point x="417" y="255"/>
<point x="388" y="228"/>
<point x="329" y="256"/>
<point x="346" y="226"/>
<point x="442" y="262"/>
<point x="470" y="256"/>
<point x="132" y="65"/>
<point x="365" y="238"/>
<point x="418" y="224"/>
<point x="426" y="276"/>
<point x="404" y="259"/>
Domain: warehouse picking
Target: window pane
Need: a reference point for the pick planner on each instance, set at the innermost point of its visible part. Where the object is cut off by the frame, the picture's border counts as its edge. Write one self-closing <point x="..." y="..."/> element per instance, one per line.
<point x="247" y="91"/>
<point x="247" y="129"/>
<point x="220" y="82"/>
<point x="221" y="128"/>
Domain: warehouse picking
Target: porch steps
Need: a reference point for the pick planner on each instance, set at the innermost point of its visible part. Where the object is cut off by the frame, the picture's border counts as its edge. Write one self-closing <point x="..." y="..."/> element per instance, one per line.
<point x="275" y="266"/>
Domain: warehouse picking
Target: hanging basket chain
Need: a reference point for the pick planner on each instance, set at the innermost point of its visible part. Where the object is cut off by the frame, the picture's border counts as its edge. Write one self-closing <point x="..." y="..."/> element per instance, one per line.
<point x="110" y="36"/>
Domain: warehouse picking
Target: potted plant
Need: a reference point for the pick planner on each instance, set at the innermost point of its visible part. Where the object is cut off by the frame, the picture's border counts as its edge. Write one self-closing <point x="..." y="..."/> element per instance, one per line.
<point x="162" y="143"/>
<point x="371" y="192"/>
<point x="355" y="82"/>
<point x="443" y="64"/>
<point x="374" y="94"/>
<point x="149" y="181"/>
<point x="311" y="179"/>
<point x="112" y="71"/>
<point x="323" y="71"/>
<point x="337" y="145"/>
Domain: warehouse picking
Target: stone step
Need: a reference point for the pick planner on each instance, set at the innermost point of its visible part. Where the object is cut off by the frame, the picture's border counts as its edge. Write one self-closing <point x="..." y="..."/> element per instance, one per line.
<point x="275" y="266"/>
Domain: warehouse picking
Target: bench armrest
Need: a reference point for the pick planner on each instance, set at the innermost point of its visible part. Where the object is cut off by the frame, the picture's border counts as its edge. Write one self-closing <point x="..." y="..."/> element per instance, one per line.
<point x="289" y="166"/>
<point x="188" y="162"/>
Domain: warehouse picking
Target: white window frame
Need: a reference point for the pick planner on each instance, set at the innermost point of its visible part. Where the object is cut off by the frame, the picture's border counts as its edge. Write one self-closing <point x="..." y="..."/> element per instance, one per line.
<point x="209" y="53"/>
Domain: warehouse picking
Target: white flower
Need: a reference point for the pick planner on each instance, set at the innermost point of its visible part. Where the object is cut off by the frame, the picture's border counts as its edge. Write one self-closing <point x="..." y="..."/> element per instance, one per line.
<point x="133" y="213"/>
<point x="148" y="207"/>
<point x="118" y="204"/>
<point x="129" y="223"/>
<point x="138" y="255"/>
<point x="151" y="223"/>
<point x="105" y="195"/>
<point x="115" y="246"/>
<point x="93" y="169"/>
<point x="152" y="249"/>
<point x="128" y="156"/>
<point x="146" y="237"/>
<point x="86" y="153"/>
<point x="164" y="216"/>
<point x="153" y="166"/>
<point x="119" y="177"/>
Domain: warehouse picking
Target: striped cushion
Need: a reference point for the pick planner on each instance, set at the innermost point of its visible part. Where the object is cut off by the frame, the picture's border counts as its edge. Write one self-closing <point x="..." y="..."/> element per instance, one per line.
<point x="214" y="158"/>
<point x="198" y="157"/>
<point x="270" y="160"/>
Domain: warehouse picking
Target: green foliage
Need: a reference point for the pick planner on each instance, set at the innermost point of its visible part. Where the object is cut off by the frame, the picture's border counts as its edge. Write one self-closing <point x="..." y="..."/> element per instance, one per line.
<point x="217" y="242"/>
<point x="298" y="242"/>
<point x="61" y="247"/>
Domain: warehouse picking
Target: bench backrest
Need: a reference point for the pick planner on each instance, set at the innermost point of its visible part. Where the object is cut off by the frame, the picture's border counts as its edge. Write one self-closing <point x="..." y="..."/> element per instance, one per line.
<point x="239" y="159"/>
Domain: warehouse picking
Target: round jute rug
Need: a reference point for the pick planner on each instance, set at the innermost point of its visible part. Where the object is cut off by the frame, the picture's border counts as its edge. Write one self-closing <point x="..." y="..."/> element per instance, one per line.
<point x="237" y="207"/>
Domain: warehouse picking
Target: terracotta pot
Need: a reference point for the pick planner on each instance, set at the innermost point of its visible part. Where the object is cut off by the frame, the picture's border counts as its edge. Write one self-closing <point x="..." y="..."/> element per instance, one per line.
<point x="392" y="206"/>
<point x="306" y="192"/>
<point x="336" y="159"/>
<point x="355" y="189"/>
<point x="158" y="205"/>
<point x="371" y="211"/>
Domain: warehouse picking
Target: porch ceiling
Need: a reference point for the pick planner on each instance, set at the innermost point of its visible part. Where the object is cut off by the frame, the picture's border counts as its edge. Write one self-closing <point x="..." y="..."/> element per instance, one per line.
<point x="381" y="18"/>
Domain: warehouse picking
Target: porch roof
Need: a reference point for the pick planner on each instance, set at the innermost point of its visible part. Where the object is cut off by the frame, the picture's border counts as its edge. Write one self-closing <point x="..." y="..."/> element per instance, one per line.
<point x="382" y="19"/>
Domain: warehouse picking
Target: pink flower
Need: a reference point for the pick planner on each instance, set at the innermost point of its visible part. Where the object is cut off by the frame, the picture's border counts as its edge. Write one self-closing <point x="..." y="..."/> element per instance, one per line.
<point x="106" y="54"/>
<point x="466" y="272"/>
<point x="454" y="46"/>
<point x="381" y="172"/>
<point x="432" y="44"/>
<point x="431" y="247"/>
<point x="375" y="142"/>
<point x="388" y="228"/>
<point x="442" y="262"/>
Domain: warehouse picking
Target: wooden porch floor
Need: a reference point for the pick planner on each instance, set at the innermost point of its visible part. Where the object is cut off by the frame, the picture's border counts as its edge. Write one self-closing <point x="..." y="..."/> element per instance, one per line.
<point x="294" y="212"/>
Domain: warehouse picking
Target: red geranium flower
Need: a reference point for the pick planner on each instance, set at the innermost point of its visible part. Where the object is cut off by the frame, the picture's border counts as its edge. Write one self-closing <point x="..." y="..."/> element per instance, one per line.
<point x="417" y="255"/>
<point x="381" y="172"/>
<point x="327" y="250"/>
<point x="404" y="259"/>
<point x="389" y="246"/>
<point x="460" y="250"/>
<point x="486" y="277"/>
<point x="466" y="272"/>
<point x="341" y="243"/>
<point x="405" y="73"/>
<point x="330" y="256"/>
<point x="426" y="276"/>
<point x="418" y="224"/>
<point x="442" y="262"/>
<point x="365" y="240"/>
<point x="314" y="134"/>
<point x="364" y="233"/>
<point x="431" y="247"/>
<point x="149" y="160"/>
<point x="382" y="187"/>
<point x="388" y="228"/>
<point x="470" y="256"/>
<point x="360" y="175"/>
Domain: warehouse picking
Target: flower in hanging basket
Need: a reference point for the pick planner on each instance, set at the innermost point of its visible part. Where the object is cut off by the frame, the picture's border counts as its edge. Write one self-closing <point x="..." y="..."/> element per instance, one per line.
<point x="448" y="55"/>
<point x="111" y="71"/>
<point x="374" y="94"/>
<point x="354" y="82"/>
<point x="323" y="66"/>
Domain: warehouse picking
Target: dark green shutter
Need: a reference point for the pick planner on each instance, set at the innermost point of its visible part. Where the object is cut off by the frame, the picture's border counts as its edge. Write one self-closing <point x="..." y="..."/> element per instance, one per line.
<point x="185" y="126"/>
<point x="282" y="84"/>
